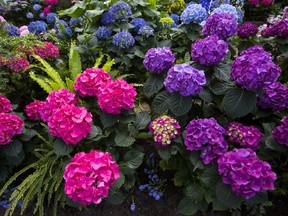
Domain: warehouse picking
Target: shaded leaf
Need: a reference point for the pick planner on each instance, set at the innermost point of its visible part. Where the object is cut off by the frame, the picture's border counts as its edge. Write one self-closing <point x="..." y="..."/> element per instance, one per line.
<point x="180" y="105"/>
<point x="61" y="148"/>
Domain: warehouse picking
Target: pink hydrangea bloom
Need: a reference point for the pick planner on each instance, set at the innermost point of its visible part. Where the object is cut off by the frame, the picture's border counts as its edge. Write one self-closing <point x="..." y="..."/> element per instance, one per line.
<point x="24" y="30"/>
<point x="32" y="110"/>
<point x="254" y="2"/>
<point x="46" y="11"/>
<point x="17" y="64"/>
<point x="89" y="176"/>
<point x="267" y="3"/>
<point x="55" y="100"/>
<point x="70" y="123"/>
<point x="5" y="105"/>
<point x="2" y="19"/>
<point x="50" y="2"/>
<point x="10" y="124"/>
<point x="88" y="82"/>
<point x="116" y="95"/>
<point x="48" y="50"/>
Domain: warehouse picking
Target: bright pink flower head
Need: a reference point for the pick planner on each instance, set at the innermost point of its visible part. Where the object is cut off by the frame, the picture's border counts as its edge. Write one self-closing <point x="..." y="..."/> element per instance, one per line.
<point x="17" y="64"/>
<point x="46" y="11"/>
<point x="48" y="50"/>
<point x="89" y="176"/>
<point x="89" y="82"/>
<point x="5" y="105"/>
<point x="267" y="3"/>
<point x="55" y="100"/>
<point x="254" y="2"/>
<point x="116" y="95"/>
<point x="32" y="110"/>
<point x="70" y="123"/>
<point x="50" y="2"/>
<point x="10" y="124"/>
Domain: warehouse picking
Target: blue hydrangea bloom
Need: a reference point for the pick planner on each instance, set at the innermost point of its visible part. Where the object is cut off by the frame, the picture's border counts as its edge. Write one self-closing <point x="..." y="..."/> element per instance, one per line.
<point x="107" y="19"/>
<point x="75" y="21"/>
<point x="226" y="8"/>
<point x="120" y="11"/>
<point x="12" y="30"/>
<point x="37" y="7"/>
<point x="37" y="27"/>
<point x="205" y="4"/>
<point x="123" y="40"/>
<point x="103" y="33"/>
<point x="42" y="16"/>
<point x="146" y="31"/>
<point x="214" y="4"/>
<point x="30" y="15"/>
<point x="138" y="23"/>
<point x="68" y="33"/>
<point x="240" y="14"/>
<point x="51" y="17"/>
<point x="175" y="17"/>
<point x="194" y="13"/>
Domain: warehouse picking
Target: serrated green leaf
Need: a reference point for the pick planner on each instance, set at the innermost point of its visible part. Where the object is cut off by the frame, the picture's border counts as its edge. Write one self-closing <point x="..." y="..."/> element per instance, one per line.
<point x="142" y="120"/>
<point x="196" y="160"/>
<point x="180" y="177"/>
<point x="164" y="153"/>
<point x="271" y="143"/>
<point x="195" y="191"/>
<point x="75" y="66"/>
<point x="123" y="139"/>
<point x="180" y="105"/>
<point x="259" y="198"/>
<point x="95" y="134"/>
<point x="206" y="95"/>
<point x="133" y="159"/>
<point x="210" y="176"/>
<point x="120" y="181"/>
<point x="222" y="71"/>
<point x="161" y="103"/>
<point x="188" y="206"/>
<point x="45" y="86"/>
<point x="13" y="148"/>
<point x="153" y="84"/>
<point x="61" y="148"/>
<point x="220" y="87"/>
<point x="115" y="196"/>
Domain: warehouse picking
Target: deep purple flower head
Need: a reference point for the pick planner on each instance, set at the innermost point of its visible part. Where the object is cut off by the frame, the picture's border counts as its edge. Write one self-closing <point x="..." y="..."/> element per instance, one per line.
<point x="194" y="13"/>
<point x="5" y="104"/>
<point x="123" y="40"/>
<point x="254" y="69"/>
<point x="206" y="135"/>
<point x="209" y="51"/>
<point x="275" y="97"/>
<point x="120" y="11"/>
<point x="246" y="136"/>
<point x="138" y="23"/>
<point x="280" y="133"/>
<point x="103" y="33"/>
<point x="185" y="79"/>
<point x="164" y="129"/>
<point x="279" y="29"/>
<point x="223" y="25"/>
<point x="159" y="59"/>
<point x="246" y="30"/>
<point x="245" y="172"/>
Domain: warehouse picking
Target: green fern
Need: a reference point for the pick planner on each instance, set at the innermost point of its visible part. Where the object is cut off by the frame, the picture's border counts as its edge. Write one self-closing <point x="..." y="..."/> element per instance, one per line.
<point x="41" y="82"/>
<point x="109" y="63"/>
<point x="75" y="67"/>
<point x="152" y="3"/>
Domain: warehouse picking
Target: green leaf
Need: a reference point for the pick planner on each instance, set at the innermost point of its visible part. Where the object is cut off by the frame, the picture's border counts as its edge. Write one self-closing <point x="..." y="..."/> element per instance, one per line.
<point x="123" y="139"/>
<point x="61" y="148"/>
<point x="188" y="206"/>
<point x="225" y="196"/>
<point x="238" y="103"/>
<point x="210" y="176"/>
<point x="180" y="105"/>
<point x="220" y="87"/>
<point x="15" y="160"/>
<point x="75" y="11"/>
<point x="120" y="181"/>
<point x="195" y="191"/>
<point x="108" y="120"/>
<point x="28" y="135"/>
<point x="130" y="182"/>
<point x="3" y="174"/>
<point x="271" y="143"/>
<point x="180" y="177"/>
<point x="164" y="153"/>
<point x="115" y="196"/>
<point x="142" y="120"/>
<point x="161" y="103"/>
<point x="96" y="133"/>
<point x="222" y="71"/>
<point x="133" y="159"/>
<point x="93" y="13"/>
<point x="13" y="148"/>
<point x="153" y="84"/>
<point x="206" y="95"/>
<point x="72" y="203"/>
<point x="259" y="198"/>
<point x="44" y="85"/>
<point x="196" y="160"/>
<point x="75" y="66"/>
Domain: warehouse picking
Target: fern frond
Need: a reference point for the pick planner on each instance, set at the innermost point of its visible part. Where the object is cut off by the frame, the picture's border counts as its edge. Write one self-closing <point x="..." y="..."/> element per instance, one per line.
<point x="137" y="84"/>
<point x="70" y="84"/>
<point x="109" y="63"/>
<point x="41" y="82"/>
<point x="75" y="66"/>
<point x="99" y="60"/>
<point x="125" y="75"/>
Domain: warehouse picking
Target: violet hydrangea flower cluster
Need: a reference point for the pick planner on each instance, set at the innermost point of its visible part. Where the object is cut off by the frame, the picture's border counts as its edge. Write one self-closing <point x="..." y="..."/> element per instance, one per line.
<point x="194" y="13"/>
<point x="206" y="135"/>
<point x="280" y="133"/>
<point x="89" y="176"/>
<point x="245" y="172"/>
<point x="32" y="110"/>
<point x="279" y="29"/>
<point x="164" y="129"/>
<point x="123" y="40"/>
<point x="275" y="97"/>
<point x="209" y="51"/>
<point x="5" y="105"/>
<point x="159" y="59"/>
<point x="185" y="79"/>
<point x="223" y="25"/>
<point x="247" y="30"/>
<point x="246" y="136"/>
<point x="70" y="123"/>
<point x="254" y="68"/>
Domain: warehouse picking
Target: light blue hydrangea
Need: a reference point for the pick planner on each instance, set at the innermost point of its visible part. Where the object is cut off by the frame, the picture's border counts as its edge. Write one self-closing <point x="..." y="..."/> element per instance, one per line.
<point x="146" y="31"/>
<point x="30" y="15"/>
<point x="194" y="13"/>
<point x="37" y="7"/>
<point x="227" y="8"/>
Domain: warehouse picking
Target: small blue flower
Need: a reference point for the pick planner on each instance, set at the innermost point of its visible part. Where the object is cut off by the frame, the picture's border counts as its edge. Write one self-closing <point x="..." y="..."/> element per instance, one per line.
<point x="152" y="155"/>
<point x="37" y="27"/>
<point x="68" y="33"/>
<point x="103" y="33"/>
<point x="138" y="23"/>
<point x="175" y="17"/>
<point x="12" y="30"/>
<point x="51" y="17"/>
<point x="123" y="40"/>
<point x="75" y="21"/>
<point x="60" y="22"/>
<point x="107" y="19"/>
<point x="37" y="7"/>
<point x="206" y="4"/>
<point x="155" y="194"/>
<point x="146" y="31"/>
<point x="30" y="15"/>
<point x="157" y="197"/>
<point x="42" y="15"/>
<point x="194" y="13"/>
<point x="120" y="11"/>
<point x="133" y="207"/>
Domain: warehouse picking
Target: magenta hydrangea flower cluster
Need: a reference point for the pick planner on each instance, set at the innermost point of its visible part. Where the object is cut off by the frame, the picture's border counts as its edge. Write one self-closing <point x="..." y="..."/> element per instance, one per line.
<point x="70" y="123"/>
<point x="5" y="105"/>
<point x="32" y="110"/>
<point x="159" y="59"/>
<point x="223" y="25"/>
<point x="254" y="68"/>
<point x="279" y="29"/>
<point x="209" y="51"/>
<point x="246" y="136"/>
<point x="10" y="125"/>
<point x="89" y="176"/>
<point x="16" y="64"/>
<point x="280" y="133"/>
<point x="275" y="97"/>
<point x="164" y="129"/>
<point x="89" y="82"/>
<point x="48" y="50"/>
<point x="185" y="79"/>
<point x="245" y="172"/>
<point x="247" y="30"/>
<point x="115" y="95"/>
<point x="206" y="135"/>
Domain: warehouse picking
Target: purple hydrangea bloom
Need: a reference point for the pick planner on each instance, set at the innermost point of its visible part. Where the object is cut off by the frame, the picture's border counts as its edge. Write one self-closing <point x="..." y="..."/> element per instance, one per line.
<point x="194" y="13"/>
<point x="280" y="133"/>
<point x="12" y="30"/>
<point x="37" y="27"/>
<point x="206" y="135"/>
<point x="120" y="11"/>
<point x="254" y="69"/>
<point x="146" y="31"/>
<point x="245" y="172"/>
<point x="107" y="19"/>
<point x="159" y="59"/>
<point x="123" y="40"/>
<point x="138" y="23"/>
<point x="102" y="32"/>
<point x="223" y="25"/>
<point x="246" y="136"/>
<point x="185" y="79"/>
<point x="209" y="51"/>
<point x="246" y="30"/>
<point x="279" y="29"/>
<point x="275" y="97"/>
